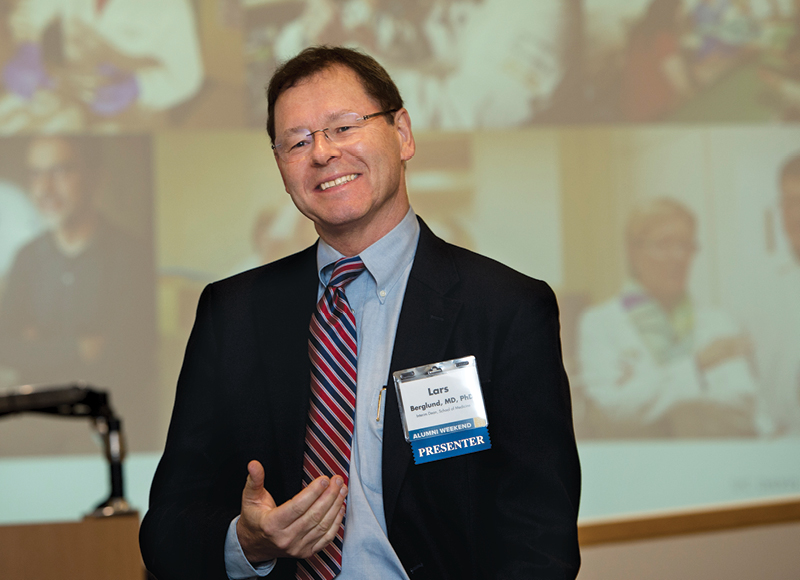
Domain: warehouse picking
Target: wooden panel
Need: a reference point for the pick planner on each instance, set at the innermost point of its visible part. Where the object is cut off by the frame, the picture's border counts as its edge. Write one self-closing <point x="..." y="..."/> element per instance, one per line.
<point x="93" y="549"/>
<point x="688" y="522"/>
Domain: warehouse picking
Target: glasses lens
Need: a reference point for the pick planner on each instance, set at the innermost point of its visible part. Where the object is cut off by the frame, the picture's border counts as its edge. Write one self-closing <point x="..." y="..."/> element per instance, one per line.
<point x="342" y="130"/>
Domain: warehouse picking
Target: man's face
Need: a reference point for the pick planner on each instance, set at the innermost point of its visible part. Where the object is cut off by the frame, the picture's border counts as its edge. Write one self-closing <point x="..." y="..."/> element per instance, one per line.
<point x="372" y="198"/>
<point x="790" y="210"/>
<point x="57" y="186"/>
<point x="661" y="261"/>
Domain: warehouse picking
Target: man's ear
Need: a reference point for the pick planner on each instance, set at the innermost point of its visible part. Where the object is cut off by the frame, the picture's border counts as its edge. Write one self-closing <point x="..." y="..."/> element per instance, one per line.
<point x="280" y="170"/>
<point x="402" y="123"/>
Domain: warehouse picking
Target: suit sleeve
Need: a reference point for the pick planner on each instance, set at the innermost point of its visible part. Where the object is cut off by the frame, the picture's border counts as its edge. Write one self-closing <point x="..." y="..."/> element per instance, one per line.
<point x="535" y="461"/>
<point x="183" y="533"/>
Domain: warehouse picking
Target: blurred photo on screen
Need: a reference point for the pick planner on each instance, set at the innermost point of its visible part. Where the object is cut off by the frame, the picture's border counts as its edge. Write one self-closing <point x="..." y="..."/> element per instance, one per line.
<point x="78" y="299"/>
<point x="460" y="64"/>
<point x="692" y="60"/>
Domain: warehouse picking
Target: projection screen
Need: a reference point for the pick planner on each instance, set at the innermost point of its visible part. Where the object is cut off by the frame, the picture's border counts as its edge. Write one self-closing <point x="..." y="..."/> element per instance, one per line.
<point x="641" y="156"/>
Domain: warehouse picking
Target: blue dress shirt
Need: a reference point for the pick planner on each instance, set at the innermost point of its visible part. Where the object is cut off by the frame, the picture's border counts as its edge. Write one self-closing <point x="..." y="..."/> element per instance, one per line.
<point x="376" y="298"/>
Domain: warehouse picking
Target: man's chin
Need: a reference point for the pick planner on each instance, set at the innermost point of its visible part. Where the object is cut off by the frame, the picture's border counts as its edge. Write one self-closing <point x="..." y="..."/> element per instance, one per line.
<point x="53" y="221"/>
<point x="796" y="252"/>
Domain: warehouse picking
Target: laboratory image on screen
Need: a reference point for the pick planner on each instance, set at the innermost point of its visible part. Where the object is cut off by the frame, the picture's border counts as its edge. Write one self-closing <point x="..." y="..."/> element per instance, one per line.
<point x="692" y="60"/>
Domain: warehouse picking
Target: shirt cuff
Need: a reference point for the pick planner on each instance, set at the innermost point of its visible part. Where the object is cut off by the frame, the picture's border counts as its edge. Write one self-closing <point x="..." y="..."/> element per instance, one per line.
<point x="236" y="564"/>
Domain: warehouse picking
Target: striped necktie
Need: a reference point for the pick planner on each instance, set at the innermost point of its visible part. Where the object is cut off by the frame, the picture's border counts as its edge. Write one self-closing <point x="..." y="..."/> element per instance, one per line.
<point x="331" y="416"/>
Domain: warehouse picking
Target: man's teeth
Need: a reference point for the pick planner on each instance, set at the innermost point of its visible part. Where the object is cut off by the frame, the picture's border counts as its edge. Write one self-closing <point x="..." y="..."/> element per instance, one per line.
<point x="337" y="181"/>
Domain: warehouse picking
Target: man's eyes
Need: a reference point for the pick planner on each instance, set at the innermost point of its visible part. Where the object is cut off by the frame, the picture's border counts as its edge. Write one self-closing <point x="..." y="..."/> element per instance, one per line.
<point x="299" y="145"/>
<point x="338" y="131"/>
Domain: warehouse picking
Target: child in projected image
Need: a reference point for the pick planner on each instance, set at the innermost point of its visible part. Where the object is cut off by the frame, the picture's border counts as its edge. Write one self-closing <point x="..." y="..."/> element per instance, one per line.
<point x="653" y="362"/>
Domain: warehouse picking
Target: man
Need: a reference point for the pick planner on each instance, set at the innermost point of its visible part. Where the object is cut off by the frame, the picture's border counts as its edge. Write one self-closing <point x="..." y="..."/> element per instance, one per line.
<point x="79" y="298"/>
<point x="655" y="363"/>
<point x="342" y="138"/>
<point x="778" y="330"/>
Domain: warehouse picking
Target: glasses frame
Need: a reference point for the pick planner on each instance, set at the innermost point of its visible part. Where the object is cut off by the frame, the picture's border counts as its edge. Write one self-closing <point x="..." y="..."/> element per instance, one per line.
<point x="276" y="147"/>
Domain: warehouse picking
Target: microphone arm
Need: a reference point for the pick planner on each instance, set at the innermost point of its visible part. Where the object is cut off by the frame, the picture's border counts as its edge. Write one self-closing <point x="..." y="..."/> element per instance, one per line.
<point x="78" y="400"/>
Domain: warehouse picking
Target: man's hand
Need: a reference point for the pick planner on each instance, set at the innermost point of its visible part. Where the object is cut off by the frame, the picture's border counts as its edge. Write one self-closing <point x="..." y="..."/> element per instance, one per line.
<point x="298" y="528"/>
<point x="722" y="350"/>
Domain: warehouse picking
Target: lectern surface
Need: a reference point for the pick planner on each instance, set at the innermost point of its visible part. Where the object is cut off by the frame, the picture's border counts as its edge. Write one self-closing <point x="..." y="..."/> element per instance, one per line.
<point x="92" y="549"/>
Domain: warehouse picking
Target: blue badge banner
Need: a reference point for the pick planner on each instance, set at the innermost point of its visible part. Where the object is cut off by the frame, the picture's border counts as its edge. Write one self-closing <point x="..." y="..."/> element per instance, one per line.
<point x="450" y="444"/>
<point x="443" y="429"/>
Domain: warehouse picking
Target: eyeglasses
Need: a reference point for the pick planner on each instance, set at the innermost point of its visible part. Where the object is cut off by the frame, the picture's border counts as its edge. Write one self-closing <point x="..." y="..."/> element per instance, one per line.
<point x="343" y="130"/>
<point x="667" y="248"/>
<point x="58" y="171"/>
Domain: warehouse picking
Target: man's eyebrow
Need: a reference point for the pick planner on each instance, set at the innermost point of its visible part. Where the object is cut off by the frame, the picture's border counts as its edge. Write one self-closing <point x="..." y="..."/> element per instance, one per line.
<point x="328" y="118"/>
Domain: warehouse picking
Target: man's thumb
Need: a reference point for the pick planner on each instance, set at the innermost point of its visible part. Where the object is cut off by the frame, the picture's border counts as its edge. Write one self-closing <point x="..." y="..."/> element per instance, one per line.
<point x="255" y="477"/>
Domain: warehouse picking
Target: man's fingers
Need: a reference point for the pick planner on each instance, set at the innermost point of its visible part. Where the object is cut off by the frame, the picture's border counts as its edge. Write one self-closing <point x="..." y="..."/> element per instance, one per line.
<point x="328" y="527"/>
<point x="321" y="488"/>
<point x="308" y="508"/>
<point x="296" y="528"/>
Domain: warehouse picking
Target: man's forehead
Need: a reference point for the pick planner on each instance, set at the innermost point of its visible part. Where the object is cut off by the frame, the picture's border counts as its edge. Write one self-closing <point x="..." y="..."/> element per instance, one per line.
<point x="44" y="151"/>
<point x="335" y="90"/>
<point x="790" y="186"/>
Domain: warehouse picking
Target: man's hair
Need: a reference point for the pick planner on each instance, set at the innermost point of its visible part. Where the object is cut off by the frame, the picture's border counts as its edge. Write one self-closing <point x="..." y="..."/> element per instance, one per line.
<point x="651" y="213"/>
<point x="86" y="149"/>
<point x="376" y="81"/>
<point x="87" y="154"/>
<point x="790" y="169"/>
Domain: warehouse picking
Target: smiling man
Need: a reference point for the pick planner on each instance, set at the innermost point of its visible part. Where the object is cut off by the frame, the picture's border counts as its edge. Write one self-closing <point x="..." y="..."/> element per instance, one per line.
<point x="286" y="455"/>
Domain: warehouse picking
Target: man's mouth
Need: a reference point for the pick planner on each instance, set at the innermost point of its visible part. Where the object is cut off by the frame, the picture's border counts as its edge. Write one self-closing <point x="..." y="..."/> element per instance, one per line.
<point x="338" y="181"/>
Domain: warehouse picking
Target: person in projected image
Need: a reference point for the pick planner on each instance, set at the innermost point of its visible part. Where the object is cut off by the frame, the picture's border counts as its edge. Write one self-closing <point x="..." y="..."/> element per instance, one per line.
<point x="782" y="82"/>
<point x="78" y="300"/>
<point x="100" y="63"/>
<point x="778" y="331"/>
<point x="654" y="363"/>
<point x="655" y="75"/>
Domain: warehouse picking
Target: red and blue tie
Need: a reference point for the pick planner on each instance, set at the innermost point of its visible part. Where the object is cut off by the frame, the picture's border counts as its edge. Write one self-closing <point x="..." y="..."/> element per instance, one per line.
<point x="332" y="349"/>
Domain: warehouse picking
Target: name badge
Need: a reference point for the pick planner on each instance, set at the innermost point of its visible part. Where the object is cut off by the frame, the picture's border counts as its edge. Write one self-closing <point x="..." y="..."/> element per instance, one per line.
<point x="442" y="409"/>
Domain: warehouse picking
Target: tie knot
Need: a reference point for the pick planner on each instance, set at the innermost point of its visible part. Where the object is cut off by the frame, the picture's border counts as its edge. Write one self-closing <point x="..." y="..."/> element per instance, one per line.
<point x="345" y="270"/>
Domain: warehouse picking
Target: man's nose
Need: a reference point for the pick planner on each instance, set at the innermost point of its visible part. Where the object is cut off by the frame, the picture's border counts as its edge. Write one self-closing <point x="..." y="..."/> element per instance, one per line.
<point x="322" y="148"/>
<point x="42" y="181"/>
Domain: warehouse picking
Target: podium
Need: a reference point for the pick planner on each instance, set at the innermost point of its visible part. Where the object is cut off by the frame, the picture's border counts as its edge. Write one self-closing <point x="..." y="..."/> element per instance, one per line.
<point x="91" y="549"/>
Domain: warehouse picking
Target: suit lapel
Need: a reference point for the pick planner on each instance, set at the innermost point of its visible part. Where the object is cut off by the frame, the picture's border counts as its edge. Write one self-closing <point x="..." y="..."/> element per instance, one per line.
<point x="284" y="303"/>
<point x="423" y="333"/>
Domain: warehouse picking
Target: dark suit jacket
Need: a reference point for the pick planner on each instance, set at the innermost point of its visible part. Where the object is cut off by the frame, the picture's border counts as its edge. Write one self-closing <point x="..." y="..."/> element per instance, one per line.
<point x="243" y="394"/>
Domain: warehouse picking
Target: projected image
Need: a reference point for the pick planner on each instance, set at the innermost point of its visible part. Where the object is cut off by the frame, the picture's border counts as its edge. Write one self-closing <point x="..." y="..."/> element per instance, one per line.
<point x="115" y="65"/>
<point x="690" y="326"/>
<point x="778" y="328"/>
<point x="655" y="363"/>
<point x="276" y="232"/>
<point x="77" y="302"/>
<point x="693" y="60"/>
<point x="460" y="64"/>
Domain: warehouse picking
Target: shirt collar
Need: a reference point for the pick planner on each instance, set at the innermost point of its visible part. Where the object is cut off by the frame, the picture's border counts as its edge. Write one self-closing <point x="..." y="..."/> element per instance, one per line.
<point x="385" y="260"/>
